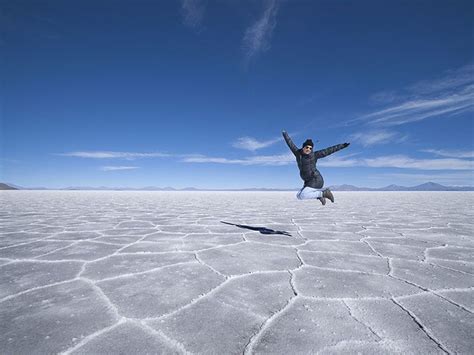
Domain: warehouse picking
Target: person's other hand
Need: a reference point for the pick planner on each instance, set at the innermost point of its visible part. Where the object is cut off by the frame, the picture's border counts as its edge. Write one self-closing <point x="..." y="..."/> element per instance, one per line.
<point x="345" y="144"/>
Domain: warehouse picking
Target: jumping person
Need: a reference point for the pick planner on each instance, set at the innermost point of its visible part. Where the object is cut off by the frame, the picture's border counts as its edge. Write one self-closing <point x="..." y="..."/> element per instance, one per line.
<point x="306" y="159"/>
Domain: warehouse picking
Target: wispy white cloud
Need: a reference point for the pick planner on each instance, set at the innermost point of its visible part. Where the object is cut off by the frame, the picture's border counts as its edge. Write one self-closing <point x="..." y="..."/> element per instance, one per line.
<point x="421" y="109"/>
<point x="374" y="137"/>
<point x="451" y="153"/>
<point x="257" y="37"/>
<point x="457" y="178"/>
<point x="113" y="155"/>
<point x="282" y="159"/>
<point x="454" y="160"/>
<point x="449" y="95"/>
<point x="388" y="161"/>
<point x="400" y="162"/>
<point x="404" y="162"/>
<point x="341" y="161"/>
<point x="452" y="79"/>
<point x="114" y="168"/>
<point x="249" y="143"/>
<point x="193" y="12"/>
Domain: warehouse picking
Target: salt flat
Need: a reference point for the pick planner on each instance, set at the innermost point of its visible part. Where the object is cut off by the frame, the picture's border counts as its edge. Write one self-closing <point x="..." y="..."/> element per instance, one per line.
<point x="158" y="272"/>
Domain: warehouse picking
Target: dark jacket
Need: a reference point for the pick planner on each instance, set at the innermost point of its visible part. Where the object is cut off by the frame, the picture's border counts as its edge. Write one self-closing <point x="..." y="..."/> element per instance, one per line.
<point x="307" y="162"/>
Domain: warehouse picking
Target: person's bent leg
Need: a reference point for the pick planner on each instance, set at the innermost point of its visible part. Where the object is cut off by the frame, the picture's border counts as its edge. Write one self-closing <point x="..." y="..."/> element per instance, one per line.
<point x="308" y="193"/>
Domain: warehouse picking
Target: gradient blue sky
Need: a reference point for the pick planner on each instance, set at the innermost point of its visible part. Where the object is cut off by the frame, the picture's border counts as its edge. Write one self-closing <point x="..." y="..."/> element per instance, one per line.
<point x="196" y="93"/>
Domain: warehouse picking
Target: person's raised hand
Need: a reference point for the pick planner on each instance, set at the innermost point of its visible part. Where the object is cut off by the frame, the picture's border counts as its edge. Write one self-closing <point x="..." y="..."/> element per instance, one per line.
<point x="345" y="144"/>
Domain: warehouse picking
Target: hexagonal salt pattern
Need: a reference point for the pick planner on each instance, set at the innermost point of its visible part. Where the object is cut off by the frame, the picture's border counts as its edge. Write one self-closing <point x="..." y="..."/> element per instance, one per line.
<point x="157" y="272"/>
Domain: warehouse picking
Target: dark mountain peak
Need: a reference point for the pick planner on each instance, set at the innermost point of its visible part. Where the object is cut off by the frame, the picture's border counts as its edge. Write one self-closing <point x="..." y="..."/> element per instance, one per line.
<point x="6" y="187"/>
<point x="430" y="186"/>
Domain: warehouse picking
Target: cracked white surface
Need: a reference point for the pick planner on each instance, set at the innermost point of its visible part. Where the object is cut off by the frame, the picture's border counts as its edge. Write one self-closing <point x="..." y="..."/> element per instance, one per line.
<point x="157" y="272"/>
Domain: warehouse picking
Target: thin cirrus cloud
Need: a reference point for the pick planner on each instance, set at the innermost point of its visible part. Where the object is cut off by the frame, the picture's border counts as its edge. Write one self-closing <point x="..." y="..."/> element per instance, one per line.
<point x="421" y="109"/>
<point x="456" y="178"/>
<point x="118" y="168"/>
<point x="113" y="155"/>
<point x="388" y="161"/>
<point x="456" y="78"/>
<point x="451" y="153"/>
<point x="400" y="162"/>
<point x="275" y="160"/>
<point x="450" y="95"/>
<point x="257" y="37"/>
<point x="404" y="162"/>
<point x="193" y="12"/>
<point x="453" y="160"/>
<point x="251" y="144"/>
<point x="375" y="137"/>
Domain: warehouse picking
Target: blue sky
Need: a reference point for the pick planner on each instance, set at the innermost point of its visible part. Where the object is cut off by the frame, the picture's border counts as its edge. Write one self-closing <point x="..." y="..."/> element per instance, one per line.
<point x="196" y="93"/>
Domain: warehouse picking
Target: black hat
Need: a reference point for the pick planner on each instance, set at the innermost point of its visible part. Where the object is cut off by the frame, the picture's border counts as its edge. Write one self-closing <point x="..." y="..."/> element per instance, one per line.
<point x="308" y="142"/>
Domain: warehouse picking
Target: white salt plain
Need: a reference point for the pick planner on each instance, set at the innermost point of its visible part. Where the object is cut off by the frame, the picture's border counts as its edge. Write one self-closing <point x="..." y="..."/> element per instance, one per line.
<point x="158" y="273"/>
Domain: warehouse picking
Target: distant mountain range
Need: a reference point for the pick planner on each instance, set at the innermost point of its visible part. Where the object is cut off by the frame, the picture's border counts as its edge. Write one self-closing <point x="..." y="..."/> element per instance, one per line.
<point x="429" y="186"/>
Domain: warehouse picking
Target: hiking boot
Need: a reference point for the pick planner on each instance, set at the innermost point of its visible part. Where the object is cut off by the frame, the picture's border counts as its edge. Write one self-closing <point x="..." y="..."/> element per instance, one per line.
<point x="322" y="200"/>
<point x="328" y="194"/>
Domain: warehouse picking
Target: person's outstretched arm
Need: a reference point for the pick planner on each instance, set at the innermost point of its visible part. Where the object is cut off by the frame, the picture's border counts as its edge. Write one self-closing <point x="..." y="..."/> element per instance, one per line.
<point x="290" y="143"/>
<point x="327" y="151"/>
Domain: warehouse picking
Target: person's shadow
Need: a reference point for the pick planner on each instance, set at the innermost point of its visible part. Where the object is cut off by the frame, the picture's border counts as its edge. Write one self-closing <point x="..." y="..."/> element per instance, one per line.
<point x="262" y="230"/>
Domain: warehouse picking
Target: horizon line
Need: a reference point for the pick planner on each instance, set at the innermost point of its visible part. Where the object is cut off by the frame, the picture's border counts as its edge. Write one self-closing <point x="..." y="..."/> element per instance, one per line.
<point x="191" y="188"/>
